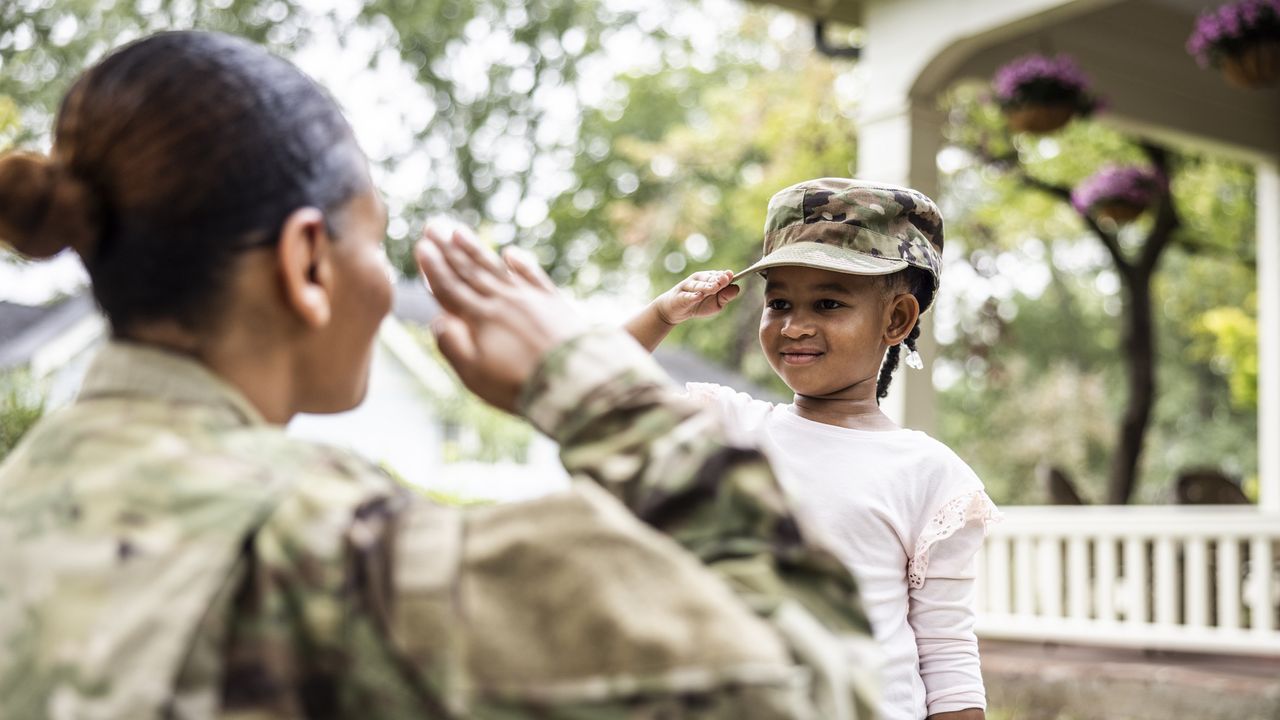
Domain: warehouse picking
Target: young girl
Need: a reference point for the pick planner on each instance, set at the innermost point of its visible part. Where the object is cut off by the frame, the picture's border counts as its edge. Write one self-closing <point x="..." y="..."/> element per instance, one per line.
<point x="849" y="267"/>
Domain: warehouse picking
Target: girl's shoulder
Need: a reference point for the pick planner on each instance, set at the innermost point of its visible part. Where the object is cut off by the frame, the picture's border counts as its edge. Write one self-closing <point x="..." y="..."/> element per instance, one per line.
<point x="949" y="498"/>
<point x="739" y="409"/>
<point x="938" y="461"/>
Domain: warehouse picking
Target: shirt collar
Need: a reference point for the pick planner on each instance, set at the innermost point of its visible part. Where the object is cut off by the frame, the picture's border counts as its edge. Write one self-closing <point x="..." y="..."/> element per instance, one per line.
<point x="125" y="369"/>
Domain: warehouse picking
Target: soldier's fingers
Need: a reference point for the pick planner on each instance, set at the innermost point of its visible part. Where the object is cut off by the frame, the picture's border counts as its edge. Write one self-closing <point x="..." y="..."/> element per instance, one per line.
<point x="464" y="266"/>
<point x="483" y="256"/>
<point x="454" y="295"/>
<point x="524" y="265"/>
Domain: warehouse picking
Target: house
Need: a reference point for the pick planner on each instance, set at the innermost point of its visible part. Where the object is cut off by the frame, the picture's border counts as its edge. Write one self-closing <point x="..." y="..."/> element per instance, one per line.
<point x="399" y="424"/>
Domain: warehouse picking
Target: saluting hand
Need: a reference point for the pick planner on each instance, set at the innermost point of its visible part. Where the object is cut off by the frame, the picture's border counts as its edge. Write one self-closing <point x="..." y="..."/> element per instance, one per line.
<point x="499" y="317"/>
<point x="702" y="294"/>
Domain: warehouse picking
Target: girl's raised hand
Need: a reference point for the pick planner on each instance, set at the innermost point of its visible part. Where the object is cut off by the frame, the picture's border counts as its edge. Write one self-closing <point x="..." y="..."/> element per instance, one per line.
<point x="702" y="294"/>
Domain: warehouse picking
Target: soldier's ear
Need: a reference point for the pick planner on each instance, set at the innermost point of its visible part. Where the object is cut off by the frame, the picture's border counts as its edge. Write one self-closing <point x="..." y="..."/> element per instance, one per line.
<point x="901" y="314"/>
<point x="305" y="260"/>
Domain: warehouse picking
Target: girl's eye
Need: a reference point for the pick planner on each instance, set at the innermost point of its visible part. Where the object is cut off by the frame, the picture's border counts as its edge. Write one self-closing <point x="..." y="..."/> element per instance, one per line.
<point x="828" y="304"/>
<point x="777" y="305"/>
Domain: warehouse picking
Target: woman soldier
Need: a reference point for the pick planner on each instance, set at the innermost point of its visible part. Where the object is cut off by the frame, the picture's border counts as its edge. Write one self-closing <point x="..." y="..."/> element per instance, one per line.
<point x="167" y="551"/>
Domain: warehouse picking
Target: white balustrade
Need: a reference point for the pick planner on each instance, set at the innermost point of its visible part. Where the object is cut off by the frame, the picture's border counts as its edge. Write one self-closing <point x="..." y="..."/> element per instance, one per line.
<point x="1202" y="579"/>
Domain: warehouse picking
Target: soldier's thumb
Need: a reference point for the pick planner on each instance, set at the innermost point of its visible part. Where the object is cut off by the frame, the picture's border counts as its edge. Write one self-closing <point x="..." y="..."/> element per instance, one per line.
<point x="453" y="337"/>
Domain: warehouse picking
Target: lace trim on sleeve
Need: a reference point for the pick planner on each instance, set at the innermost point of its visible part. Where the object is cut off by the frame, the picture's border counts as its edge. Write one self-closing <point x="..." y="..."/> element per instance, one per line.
<point x="958" y="512"/>
<point x="704" y="394"/>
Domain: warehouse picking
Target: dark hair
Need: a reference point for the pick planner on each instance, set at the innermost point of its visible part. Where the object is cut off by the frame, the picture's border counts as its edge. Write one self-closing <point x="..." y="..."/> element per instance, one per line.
<point x="920" y="284"/>
<point x="170" y="157"/>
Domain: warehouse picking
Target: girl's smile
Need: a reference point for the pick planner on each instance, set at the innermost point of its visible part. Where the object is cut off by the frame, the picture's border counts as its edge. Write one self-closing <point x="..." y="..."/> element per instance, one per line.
<point x="796" y="356"/>
<point x="822" y="331"/>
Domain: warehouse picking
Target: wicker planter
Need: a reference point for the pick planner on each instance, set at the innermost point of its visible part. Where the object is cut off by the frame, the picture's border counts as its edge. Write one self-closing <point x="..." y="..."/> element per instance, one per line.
<point x="1256" y="66"/>
<point x="1118" y="211"/>
<point x="1039" y="119"/>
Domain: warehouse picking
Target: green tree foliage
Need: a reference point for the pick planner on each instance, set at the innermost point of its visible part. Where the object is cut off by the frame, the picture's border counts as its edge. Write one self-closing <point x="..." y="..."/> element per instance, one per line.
<point x="44" y="45"/>
<point x="508" y="82"/>
<point x="21" y="405"/>
<point x="1031" y="367"/>
<point x="681" y="180"/>
<point x="473" y="430"/>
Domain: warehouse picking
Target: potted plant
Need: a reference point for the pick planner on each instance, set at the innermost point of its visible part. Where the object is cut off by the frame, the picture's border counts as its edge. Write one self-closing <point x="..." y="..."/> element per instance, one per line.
<point x="1119" y="193"/>
<point x="1040" y="94"/>
<point x="1243" y="40"/>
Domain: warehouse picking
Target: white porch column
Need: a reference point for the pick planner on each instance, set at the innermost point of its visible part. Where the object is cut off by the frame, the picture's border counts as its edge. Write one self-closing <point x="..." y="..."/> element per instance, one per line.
<point x="1269" y="337"/>
<point x="899" y="144"/>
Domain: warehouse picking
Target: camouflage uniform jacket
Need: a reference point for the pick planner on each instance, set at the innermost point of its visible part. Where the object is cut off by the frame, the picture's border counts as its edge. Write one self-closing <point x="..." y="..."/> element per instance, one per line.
<point x="166" y="553"/>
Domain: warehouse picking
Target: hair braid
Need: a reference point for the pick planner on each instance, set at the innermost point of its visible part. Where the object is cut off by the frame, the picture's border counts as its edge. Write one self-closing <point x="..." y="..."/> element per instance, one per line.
<point x="886" y="372"/>
<point x="922" y="287"/>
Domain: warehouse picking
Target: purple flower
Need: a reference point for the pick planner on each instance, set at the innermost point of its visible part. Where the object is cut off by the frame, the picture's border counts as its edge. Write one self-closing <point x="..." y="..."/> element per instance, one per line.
<point x="1230" y="28"/>
<point x="1039" y="79"/>
<point x="1120" y="184"/>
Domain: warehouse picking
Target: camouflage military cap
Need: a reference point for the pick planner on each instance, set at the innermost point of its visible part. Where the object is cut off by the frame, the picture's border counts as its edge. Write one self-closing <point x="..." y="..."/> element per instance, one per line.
<point x="852" y="226"/>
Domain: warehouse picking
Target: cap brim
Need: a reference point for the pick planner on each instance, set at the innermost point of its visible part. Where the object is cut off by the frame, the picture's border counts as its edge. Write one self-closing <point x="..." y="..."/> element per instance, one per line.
<point x="827" y="257"/>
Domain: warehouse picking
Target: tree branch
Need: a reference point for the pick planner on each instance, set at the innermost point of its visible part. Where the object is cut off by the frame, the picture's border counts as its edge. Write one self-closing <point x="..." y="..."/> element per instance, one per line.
<point x="1167" y="220"/>
<point x="1063" y="193"/>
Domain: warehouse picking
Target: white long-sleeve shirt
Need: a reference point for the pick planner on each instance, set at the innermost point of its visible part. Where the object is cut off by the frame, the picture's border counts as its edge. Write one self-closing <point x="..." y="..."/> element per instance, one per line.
<point x="907" y="517"/>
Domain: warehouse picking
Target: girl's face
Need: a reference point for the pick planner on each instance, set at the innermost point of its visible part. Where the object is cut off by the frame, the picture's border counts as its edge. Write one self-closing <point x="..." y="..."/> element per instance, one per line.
<point x="822" y="331"/>
<point x="341" y="353"/>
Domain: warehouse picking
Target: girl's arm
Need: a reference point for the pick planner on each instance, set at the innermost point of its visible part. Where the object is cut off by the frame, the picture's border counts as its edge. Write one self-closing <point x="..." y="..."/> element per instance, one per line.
<point x="942" y="616"/>
<point x="702" y="294"/>
<point x="970" y="714"/>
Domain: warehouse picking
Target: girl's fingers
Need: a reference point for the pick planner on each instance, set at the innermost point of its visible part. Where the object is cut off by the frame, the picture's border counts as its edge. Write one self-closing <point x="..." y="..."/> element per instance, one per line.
<point x="725" y="296"/>
<point x="523" y="265"/>
<point x="454" y="295"/>
<point x="694" y="286"/>
<point x="713" y="277"/>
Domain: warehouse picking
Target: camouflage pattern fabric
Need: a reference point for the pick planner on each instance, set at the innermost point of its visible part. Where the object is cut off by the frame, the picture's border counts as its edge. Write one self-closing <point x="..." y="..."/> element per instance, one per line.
<point x="852" y="226"/>
<point x="165" y="553"/>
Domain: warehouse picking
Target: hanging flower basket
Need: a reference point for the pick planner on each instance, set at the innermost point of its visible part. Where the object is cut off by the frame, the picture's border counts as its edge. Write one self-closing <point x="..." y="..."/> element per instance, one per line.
<point x="1257" y="66"/>
<point x="1243" y="40"/>
<point x="1120" y="194"/>
<point x="1039" y="94"/>
<point x="1118" y="211"/>
<point x="1039" y="119"/>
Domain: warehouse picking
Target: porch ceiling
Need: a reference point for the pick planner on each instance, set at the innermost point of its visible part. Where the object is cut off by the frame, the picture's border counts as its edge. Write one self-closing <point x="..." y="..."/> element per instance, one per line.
<point x="1134" y="51"/>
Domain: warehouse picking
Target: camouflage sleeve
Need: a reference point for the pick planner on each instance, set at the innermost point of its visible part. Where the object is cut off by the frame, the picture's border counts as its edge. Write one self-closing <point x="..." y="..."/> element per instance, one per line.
<point x="563" y="607"/>
<point x="621" y="424"/>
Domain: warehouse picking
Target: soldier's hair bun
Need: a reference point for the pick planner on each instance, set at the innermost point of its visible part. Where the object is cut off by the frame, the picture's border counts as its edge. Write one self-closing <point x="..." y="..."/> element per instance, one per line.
<point x="43" y="208"/>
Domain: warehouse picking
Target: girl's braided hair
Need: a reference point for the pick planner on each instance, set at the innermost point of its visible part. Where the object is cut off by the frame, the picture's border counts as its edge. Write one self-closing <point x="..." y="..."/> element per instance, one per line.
<point x="920" y="284"/>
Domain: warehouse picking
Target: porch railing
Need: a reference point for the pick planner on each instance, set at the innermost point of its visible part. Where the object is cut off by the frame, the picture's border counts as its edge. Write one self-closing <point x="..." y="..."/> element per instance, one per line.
<point x="1201" y="579"/>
